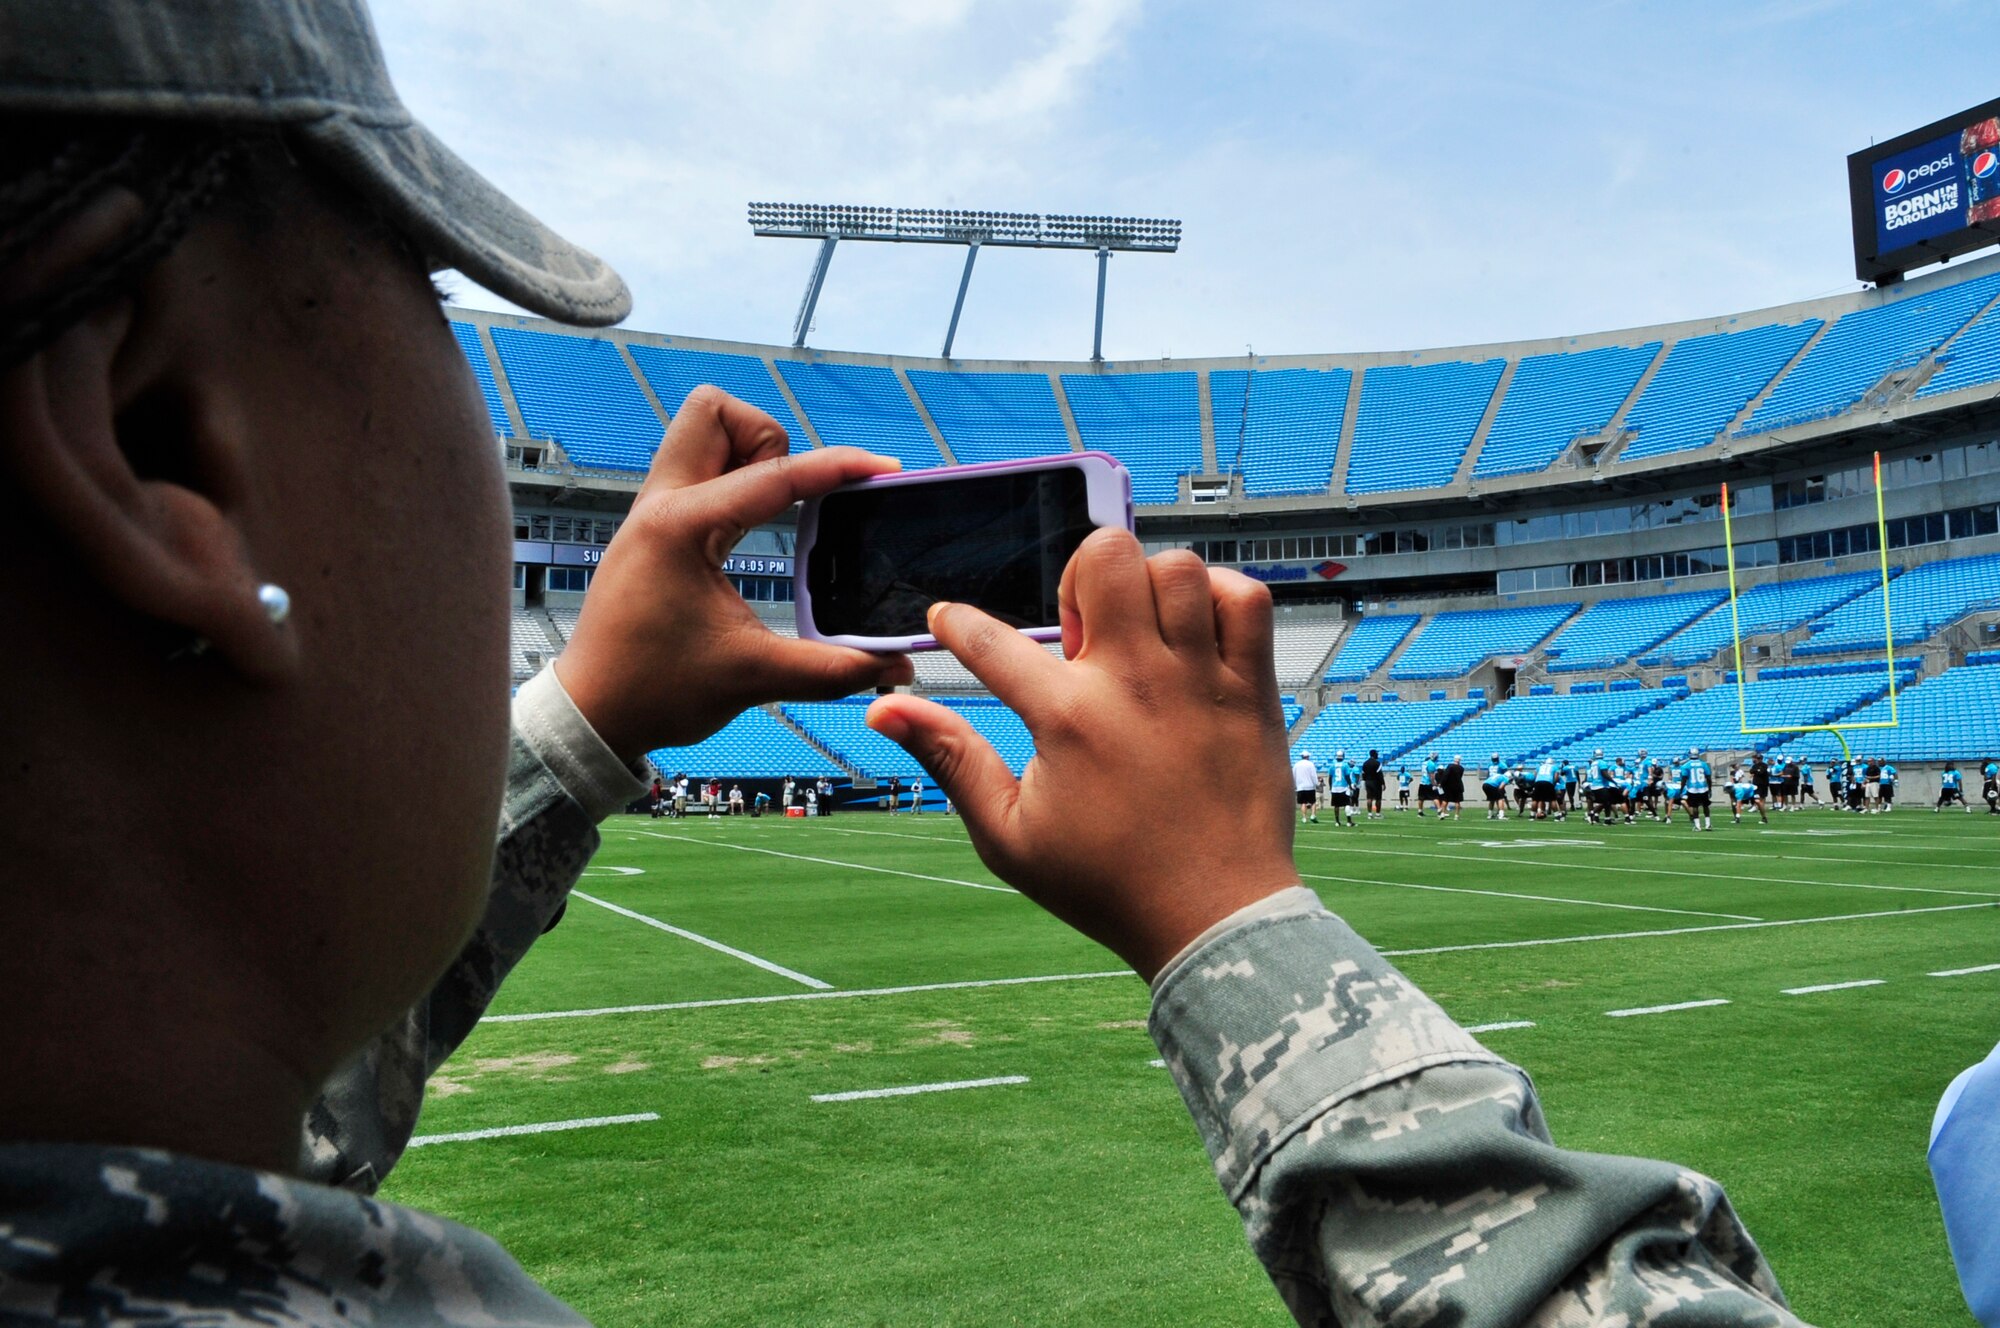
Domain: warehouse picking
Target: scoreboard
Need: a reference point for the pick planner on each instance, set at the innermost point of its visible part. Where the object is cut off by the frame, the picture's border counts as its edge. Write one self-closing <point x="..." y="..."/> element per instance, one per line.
<point x="1927" y="195"/>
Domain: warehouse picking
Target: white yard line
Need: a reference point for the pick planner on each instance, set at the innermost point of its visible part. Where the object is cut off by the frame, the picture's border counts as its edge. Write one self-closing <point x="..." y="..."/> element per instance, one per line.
<point x="895" y="834"/>
<point x="1664" y="1009"/>
<point x="834" y="862"/>
<point x="708" y="941"/>
<point x="1495" y="1028"/>
<point x="1546" y="864"/>
<point x="1544" y="899"/>
<point x="1832" y="986"/>
<point x="1677" y="931"/>
<point x="547" y="1127"/>
<point x="802" y="996"/>
<point x="910" y="1090"/>
<point x="1961" y="972"/>
<point x="1684" y="849"/>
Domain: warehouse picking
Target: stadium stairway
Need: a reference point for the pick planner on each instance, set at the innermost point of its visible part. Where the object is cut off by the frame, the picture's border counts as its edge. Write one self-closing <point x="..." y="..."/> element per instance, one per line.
<point x="783" y="714"/>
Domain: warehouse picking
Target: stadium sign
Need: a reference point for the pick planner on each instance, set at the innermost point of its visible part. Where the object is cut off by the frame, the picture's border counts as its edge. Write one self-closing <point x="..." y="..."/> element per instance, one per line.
<point x="1926" y="196"/>
<point x="1267" y="572"/>
<point x="543" y="553"/>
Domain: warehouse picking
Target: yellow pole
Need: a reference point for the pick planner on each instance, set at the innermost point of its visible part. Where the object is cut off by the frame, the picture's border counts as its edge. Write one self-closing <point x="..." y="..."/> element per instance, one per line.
<point x="1735" y="617"/>
<point x="1888" y="620"/>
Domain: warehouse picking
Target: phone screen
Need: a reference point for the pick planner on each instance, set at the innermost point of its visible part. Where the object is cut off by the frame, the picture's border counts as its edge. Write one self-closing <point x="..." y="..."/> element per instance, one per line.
<point x="998" y="542"/>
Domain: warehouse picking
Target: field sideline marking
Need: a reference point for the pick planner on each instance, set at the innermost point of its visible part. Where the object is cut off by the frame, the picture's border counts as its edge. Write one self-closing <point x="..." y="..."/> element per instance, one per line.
<point x="1495" y="1028"/>
<point x="834" y="862"/>
<point x="912" y="1089"/>
<point x="1961" y="972"/>
<point x="1901" y="843"/>
<point x="1675" y="931"/>
<point x="663" y="1006"/>
<point x="1544" y="899"/>
<point x="547" y="1127"/>
<point x="800" y="996"/>
<point x="1547" y="865"/>
<point x="1832" y="986"/>
<point x="1664" y="1009"/>
<point x="708" y="941"/>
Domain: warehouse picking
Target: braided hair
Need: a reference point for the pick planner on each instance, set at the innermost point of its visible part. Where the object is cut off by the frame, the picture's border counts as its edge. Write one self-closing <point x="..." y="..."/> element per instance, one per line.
<point x="52" y="169"/>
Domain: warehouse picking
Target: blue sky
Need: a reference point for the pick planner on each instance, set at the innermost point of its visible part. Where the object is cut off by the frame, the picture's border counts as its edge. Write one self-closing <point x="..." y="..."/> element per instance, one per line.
<point x="1352" y="178"/>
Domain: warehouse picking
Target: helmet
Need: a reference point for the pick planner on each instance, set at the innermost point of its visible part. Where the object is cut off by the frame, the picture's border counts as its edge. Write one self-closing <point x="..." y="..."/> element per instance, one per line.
<point x="1340" y="755"/>
<point x="1496" y="758"/>
<point x="1694" y="752"/>
<point x="1598" y="752"/>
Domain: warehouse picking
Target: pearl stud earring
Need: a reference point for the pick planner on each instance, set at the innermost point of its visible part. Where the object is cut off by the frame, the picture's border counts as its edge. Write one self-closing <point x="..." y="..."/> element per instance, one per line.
<point x="276" y="601"/>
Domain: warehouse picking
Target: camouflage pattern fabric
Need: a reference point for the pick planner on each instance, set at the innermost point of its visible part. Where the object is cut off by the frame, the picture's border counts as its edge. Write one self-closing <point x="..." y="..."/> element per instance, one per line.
<point x="113" y="1236"/>
<point x="1391" y="1171"/>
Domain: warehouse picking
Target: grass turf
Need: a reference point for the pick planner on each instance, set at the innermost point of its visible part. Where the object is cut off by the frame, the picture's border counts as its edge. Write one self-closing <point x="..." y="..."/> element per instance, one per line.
<point x="1082" y="1196"/>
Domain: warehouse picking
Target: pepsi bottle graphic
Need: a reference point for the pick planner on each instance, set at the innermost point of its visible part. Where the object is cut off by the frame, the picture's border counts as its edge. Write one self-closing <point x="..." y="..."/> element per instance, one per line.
<point x="1979" y="149"/>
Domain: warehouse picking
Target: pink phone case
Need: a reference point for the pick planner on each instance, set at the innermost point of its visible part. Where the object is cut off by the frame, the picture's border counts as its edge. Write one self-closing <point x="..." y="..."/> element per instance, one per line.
<point x="1098" y="501"/>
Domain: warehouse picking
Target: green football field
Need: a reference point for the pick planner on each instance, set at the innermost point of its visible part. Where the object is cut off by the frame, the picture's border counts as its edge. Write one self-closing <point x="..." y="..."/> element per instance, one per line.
<point x="713" y="980"/>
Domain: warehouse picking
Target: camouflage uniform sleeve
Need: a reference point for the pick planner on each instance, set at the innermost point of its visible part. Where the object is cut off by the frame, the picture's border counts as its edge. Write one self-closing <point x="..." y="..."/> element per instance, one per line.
<point x="1391" y="1171"/>
<point x="561" y="781"/>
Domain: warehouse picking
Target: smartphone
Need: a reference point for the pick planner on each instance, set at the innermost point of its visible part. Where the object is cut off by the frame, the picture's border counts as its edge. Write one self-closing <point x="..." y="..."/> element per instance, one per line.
<point x="873" y="556"/>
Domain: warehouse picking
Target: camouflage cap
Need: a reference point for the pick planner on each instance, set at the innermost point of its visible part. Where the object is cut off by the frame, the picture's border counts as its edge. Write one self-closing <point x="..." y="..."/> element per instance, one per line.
<point x="315" y="68"/>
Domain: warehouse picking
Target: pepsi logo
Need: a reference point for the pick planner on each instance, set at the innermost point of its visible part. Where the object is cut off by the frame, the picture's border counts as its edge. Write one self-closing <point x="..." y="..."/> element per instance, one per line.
<point x="1985" y="164"/>
<point x="1893" y="182"/>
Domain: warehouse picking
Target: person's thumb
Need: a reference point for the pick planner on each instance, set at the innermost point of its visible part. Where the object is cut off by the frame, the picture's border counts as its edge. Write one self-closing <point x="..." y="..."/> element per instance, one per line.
<point x="962" y="762"/>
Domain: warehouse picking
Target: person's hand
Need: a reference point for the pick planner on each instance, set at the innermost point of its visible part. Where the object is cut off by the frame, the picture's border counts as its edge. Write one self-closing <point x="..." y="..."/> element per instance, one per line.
<point x="1159" y="800"/>
<point x="665" y="651"/>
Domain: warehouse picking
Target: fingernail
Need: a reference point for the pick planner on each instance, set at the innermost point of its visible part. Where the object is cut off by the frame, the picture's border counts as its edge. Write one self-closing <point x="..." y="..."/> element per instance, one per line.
<point x="931" y="614"/>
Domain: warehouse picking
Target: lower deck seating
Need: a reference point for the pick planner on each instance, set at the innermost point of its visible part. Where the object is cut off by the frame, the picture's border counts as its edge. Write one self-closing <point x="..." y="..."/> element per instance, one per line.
<point x="1390" y="727"/>
<point x="1711" y="719"/>
<point x="1955" y="715"/>
<point x="1921" y="600"/>
<point x="1524" y="727"/>
<point x="841" y="727"/>
<point x="1301" y="645"/>
<point x="529" y="644"/>
<point x="754" y="745"/>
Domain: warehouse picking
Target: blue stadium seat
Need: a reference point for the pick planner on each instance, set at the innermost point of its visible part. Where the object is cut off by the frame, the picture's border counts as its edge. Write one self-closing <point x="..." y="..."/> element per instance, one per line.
<point x="1712" y="720"/>
<point x="1453" y="643"/>
<point x="482" y="370"/>
<point x="1554" y="398"/>
<point x="1972" y="361"/>
<point x="1921" y="600"/>
<point x="1704" y="382"/>
<point x="1149" y="421"/>
<point x="1778" y="606"/>
<point x="1370" y="641"/>
<point x="577" y="390"/>
<point x="1524" y="727"/>
<point x="673" y="373"/>
<point x="754" y="745"/>
<point x="841" y="728"/>
<point x="993" y="416"/>
<point x="1954" y="716"/>
<point x="1279" y="427"/>
<point x="1416" y="421"/>
<point x="1392" y="727"/>
<point x="861" y="405"/>
<point x="1612" y="631"/>
<point x="1863" y="346"/>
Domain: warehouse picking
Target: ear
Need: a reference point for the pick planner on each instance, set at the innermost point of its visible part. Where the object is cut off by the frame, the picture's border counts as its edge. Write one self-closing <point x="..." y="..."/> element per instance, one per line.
<point x="136" y="468"/>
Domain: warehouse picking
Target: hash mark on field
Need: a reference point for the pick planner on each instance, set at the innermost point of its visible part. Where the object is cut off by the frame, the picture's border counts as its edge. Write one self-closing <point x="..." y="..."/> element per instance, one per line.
<point x="1495" y="1028"/>
<point x="1679" y="931"/>
<point x="1832" y="986"/>
<point x="1961" y="972"/>
<point x="1544" y="899"/>
<point x="1664" y="1009"/>
<point x="1157" y="1063"/>
<point x="912" y="1089"/>
<point x="835" y="862"/>
<point x="547" y="1127"/>
<point x="710" y="942"/>
<point x="798" y="996"/>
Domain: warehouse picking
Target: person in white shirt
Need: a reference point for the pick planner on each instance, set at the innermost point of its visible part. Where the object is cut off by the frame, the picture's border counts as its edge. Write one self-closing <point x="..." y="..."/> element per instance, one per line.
<point x="917" y="796"/>
<point x="1305" y="779"/>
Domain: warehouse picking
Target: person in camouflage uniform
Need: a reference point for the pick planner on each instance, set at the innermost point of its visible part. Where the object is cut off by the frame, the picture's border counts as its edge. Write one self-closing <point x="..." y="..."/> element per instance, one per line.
<point x="222" y="375"/>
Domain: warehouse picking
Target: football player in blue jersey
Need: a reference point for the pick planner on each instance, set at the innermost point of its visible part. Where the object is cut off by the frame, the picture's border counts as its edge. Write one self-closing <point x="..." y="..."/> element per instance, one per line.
<point x="1698" y="777"/>
<point x="1951" y="788"/>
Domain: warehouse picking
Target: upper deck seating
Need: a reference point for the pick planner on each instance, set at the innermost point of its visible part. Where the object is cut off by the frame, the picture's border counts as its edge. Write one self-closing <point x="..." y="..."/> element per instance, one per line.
<point x="1779" y="606"/>
<point x="467" y="337"/>
<point x="1704" y="382"/>
<point x="578" y="391"/>
<point x="1279" y="427"/>
<point x="1415" y="422"/>
<point x="1555" y="398"/>
<point x="1369" y="641"/>
<point x="861" y="405"/>
<point x="1149" y="421"/>
<point x="673" y="372"/>
<point x="993" y="416"/>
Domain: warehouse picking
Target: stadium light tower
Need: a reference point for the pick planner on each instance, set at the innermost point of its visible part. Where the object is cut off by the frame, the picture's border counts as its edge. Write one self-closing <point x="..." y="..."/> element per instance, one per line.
<point x="830" y="223"/>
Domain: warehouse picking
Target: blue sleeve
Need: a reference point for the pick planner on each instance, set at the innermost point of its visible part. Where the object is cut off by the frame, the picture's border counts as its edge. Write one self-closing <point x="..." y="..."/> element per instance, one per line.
<point x="1965" y="1165"/>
